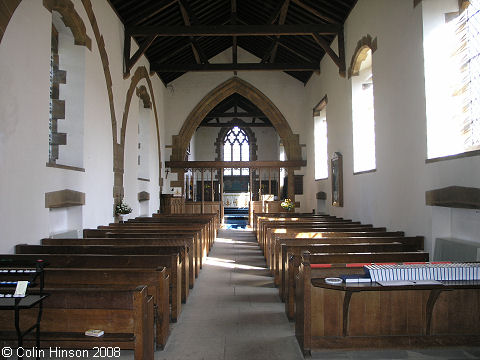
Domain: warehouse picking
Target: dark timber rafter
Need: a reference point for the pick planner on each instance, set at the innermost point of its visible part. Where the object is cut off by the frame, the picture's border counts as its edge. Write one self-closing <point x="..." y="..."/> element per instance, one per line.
<point x="339" y="59"/>
<point x="233" y="5"/>
<point x="175" y="68"/>
<point x="271" y="52"/>
<point x="234" y="30"/>
<point x="187" y="14"/>
<point x="131" y="61"/>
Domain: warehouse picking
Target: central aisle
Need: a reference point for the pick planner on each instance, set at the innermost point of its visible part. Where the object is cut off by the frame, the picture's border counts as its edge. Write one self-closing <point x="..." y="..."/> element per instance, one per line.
<point x="234" y="311"/>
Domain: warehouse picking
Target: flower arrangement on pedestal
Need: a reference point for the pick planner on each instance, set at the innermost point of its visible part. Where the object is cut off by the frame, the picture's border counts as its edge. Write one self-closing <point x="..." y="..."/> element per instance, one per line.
<point x="287" y="204"/>
<point x="122" y="209"/>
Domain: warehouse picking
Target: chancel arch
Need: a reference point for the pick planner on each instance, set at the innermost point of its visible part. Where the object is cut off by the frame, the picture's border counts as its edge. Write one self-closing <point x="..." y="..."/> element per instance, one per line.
<point x="232" y="86"/>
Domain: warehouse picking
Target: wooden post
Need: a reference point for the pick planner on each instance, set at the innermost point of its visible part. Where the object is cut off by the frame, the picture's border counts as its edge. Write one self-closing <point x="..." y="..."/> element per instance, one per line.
<point x="251" y="184"/>
<point x="259" y="184"/>
<point x="221" y="195"/>
<point x="269" y="181"/>
<point x="212" y="191"/>
<point x="291" y="185"/>
<point x="278" y="185"/>
<point x="203" y="193"/>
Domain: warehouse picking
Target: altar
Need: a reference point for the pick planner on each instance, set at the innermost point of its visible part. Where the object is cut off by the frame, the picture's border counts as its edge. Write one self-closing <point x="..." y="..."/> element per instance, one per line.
<point x="237" y="200"/>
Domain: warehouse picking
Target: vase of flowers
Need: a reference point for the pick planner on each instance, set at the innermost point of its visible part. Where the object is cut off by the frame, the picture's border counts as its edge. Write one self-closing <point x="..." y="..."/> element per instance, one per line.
<point x="122" y="209"/>
<point x="287" y="205"/>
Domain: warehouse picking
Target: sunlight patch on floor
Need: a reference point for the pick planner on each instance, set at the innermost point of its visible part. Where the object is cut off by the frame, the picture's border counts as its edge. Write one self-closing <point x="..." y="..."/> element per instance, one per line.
<point x="230" y="264"/>
<point x="230" y="241"/>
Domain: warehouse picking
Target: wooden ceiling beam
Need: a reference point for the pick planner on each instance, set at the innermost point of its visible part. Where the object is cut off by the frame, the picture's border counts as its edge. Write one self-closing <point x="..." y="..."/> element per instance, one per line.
<point x="187" y="14"/>
<point x="271" y="52"/>
<point x="339" y="60"/>
<point x="235" y="164"/>
<point x="234" y="114"/>
<point x="315" y="12"/>
<point x="234" y="67"/>
<point x="234" y="30"/>
<point x="150" y="12"/>
<point x="220" y="125"/>
<point x="130" y="62"/>
<point x="233" y="5"/>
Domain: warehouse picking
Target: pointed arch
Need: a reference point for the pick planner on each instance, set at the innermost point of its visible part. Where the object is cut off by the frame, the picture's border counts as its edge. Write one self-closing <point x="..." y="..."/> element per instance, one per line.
<point x="235" y="85"/>
<point x="8" y="8"/>
<point x="359" y="55"/>
<point x="71" y="19"/>
<point x="140" y="73"/>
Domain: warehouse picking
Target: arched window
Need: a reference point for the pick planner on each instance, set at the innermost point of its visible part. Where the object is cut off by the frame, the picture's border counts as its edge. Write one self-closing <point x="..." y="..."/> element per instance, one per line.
<point x="363" y="112"/>
<point x="236" y="147"/>
<point x="67" y="95"/>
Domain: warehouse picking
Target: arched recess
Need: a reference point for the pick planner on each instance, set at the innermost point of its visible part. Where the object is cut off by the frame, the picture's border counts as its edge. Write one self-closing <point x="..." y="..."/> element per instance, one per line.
<point x="359" y="55"/>
<point x="71" y="20"/>
<point x="140" y="73"/>
<point x="235" y="85"/>
<point x="7" y="10"/>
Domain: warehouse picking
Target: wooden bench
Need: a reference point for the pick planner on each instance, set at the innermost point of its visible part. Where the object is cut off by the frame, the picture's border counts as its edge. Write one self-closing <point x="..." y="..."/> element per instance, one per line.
<point x="134" y="242"/>
<point x="170" y="262"/>
<point x="119" y="250"/>
<point x="337" y="228"/>
<point x="160" y="232"/>
<point x="341" y="258"/>
<point x="302" y="237"/>
<point x="125" y="314"/>
<point x="373" y="316"/>
<point x="283" y="245"/>
<point x="93" y="261"/>
<point x="294" y="250"/>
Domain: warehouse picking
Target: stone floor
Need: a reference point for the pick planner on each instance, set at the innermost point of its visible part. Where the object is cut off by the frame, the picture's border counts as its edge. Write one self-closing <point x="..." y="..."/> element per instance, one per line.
<point x="234" y="313"/>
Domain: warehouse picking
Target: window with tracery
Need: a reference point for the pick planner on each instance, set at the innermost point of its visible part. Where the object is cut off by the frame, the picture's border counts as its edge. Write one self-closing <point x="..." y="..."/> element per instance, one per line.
<point x="236" y="147"/>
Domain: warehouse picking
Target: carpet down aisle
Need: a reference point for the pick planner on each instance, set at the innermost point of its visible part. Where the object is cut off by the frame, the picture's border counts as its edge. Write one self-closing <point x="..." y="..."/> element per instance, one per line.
<point x="234" y="311"/>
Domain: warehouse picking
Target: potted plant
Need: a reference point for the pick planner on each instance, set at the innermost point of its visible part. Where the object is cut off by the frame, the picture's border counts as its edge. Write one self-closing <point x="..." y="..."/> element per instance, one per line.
<point x="287" y="204"/>
<point x="122" y="209"/>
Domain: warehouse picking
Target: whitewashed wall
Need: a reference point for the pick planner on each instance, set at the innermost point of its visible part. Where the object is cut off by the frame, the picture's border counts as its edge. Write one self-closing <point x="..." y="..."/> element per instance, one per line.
<point x="24" y="113"/>
<point x="394" y="195"/>
<point x="186" y="92"/>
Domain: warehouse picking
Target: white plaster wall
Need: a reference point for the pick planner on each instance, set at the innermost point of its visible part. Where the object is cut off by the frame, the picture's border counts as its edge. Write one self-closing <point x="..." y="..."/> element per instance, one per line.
<point x="186" y="92"/>
<point x="394" y="195"/>
<point x="24" y="107"/>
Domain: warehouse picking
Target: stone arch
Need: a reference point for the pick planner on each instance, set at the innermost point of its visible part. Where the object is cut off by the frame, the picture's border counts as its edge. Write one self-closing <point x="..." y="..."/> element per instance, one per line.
<point x="71" y="19"/>
<point x="7" y="13"/>
<point x="252" y="141"/>
<point x="235" y="85"/>
<point x="360" y="54"/>
<point x="142" y="93"/>
<point x="140" y="73"/>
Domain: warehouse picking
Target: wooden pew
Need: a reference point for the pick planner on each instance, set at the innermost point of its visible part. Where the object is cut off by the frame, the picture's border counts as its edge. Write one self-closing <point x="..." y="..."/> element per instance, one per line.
<point x="160" y="232"/>
<point x="302" y="223"/>
<point x="134" y="242"/>
<point x="149" y="262"/>
<point x="342" y="258"/>
<point x="294" y="250"/>
<point x="171" y="262"/>
<point x="373" y="316"/>
<point x="328" y="227"/>
<point x="119" y="250"/>
<point x="280" y="236"/>
<point x="124" y="313"/>
<point x="281" y="246"/>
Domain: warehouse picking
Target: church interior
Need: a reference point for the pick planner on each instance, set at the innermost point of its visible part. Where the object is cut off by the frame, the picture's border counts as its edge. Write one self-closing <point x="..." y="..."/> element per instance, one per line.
<point x="204" y="167"/>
